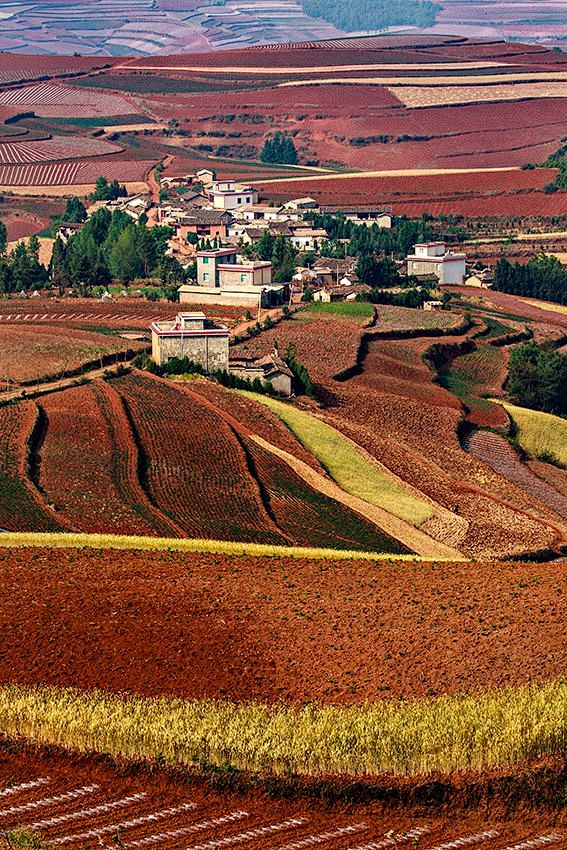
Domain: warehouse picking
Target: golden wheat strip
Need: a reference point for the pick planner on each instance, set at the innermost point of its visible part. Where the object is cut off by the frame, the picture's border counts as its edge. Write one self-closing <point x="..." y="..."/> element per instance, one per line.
<point x="85" y="813"/>
<point x="252" y="834"/>
<point x="103" y="830"/>
<point x="25" y="786"/>
<point x="48" y="801"/>
<point x="325" y="836"/>
<point x="184" y="830"/>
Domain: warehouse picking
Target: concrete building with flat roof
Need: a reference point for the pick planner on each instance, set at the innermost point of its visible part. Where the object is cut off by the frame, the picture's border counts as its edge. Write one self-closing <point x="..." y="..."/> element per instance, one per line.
<point x="434" y="258"/>
<point x="228" y="195"/>
<point x="221" y="267"/>
<point x="194" y="336"/>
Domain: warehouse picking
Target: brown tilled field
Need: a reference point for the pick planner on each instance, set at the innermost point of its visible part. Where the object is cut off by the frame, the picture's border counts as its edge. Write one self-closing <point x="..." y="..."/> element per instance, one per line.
<point x="211" y="626"/>
<point x="85" y="312"/>
<point x="92" y="800"/>
<point x="37" y="352"/>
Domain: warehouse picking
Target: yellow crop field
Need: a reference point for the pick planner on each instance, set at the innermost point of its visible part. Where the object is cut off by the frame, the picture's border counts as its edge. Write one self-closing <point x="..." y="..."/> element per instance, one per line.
<point x="216" y="547"/>
<point x="349" y="468"/>
<point x="421" y="96"/>
<point x="443" y="735"/>
<point x="540" y="433"/>
<point x="546" y="305"/>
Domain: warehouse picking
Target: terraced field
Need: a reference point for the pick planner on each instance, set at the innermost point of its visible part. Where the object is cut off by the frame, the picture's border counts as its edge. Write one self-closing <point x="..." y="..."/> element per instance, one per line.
<point x="62" y="796"/>
<point x="32" y="353"/>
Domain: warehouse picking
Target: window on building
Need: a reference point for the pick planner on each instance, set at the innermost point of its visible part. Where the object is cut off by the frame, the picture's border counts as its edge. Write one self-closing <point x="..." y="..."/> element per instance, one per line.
<point x="206" y="276"/>
<point x="240" y="200"/>
<point x="248" y="200"/>
<point x="242" y="278"/>
<point x="206" y="260"/>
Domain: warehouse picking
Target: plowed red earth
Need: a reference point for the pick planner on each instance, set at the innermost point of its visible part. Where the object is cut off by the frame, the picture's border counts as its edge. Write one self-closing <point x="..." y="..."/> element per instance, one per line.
<point x="31" y="353"/>
<point x="483" y="193"/>
<point x="201" y="626"/>
<point x="158" y="797"/>
<point x="85" y="312"/>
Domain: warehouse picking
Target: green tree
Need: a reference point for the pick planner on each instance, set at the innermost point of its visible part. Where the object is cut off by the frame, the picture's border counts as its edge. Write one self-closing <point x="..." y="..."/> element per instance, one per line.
<point x="75" y="211"/>
<point x="265" y="245"/>
<point x="124" y="260"/>
<point x="58" y="267"/>
<point x="279" y="148"/>
<point x="381" y="273"/>
<point x="538" y="378"/>
<point x="3" y="238"/>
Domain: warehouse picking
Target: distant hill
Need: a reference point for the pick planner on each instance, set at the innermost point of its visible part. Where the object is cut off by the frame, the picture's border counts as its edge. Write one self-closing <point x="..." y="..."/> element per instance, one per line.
<point x="149" y="27"/>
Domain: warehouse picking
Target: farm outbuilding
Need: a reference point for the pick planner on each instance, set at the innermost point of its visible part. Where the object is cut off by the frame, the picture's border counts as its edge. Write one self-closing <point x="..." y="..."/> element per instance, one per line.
<point x="194" y="336"/>
<point x="271" y="369"/>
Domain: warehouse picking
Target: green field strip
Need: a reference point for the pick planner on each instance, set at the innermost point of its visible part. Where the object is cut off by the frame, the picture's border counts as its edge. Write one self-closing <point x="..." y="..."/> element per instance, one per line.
<point x="348" y="467"/>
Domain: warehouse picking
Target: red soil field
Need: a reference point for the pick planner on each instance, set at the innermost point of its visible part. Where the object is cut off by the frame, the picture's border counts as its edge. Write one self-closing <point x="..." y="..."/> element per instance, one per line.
<point x="201" y="483"/>
<point x="326" y="121"/>
<point x="20" y="505"/>
<point x="31" y="67"/>
<point x="35" y="352"/>
<point x="54" y="149"/>
<point x="477" y="194"/>
<point x="75" y="172"/>
<point x="47" y="99"/>
<point x="255" y="418"/>
<point x="324" y="344"/>
<point x="326" y="53"/>
<point x="307" y="517"/>
<point x="155" y="795"/>
<point x="407" y="422"/>
<point x="211" y="626"/>
<point x="88" y="469"/>
<point x="513" y="304"/>
<point x="136" y="313"/>
<point x="88" y="464"/>
<point x="20" y="225"/>
<point x="229" y="488"/>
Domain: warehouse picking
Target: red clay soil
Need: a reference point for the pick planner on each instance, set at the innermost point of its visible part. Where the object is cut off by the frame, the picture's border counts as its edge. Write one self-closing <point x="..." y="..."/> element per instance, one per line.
<point x="406" y="807"/>
<point x="518" y="306"/>
<point x="88" y="464"/>
<point x="120" y="312"/>
<point x="213" y="626"/>
<point x="324" y="344"/>
<point x="395" y="411"/>
<point x="33" y="352"/>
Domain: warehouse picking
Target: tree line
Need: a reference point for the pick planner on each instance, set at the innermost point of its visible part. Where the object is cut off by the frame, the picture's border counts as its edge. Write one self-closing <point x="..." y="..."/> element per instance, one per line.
<point x="111" y="246"/>
<point x="537" y="378"/>
<point x="374" y="15"/>
<point x="347" y="239"/>
<point x="541" y="277"/>
<point x="279" y="149"/>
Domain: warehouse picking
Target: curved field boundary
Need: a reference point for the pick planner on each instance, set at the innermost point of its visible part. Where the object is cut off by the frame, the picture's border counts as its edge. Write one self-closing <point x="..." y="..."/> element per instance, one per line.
<point x="400" y="172"/>
<point x="21" y="504"/>
<point x="497" y="453"/>
<point x="195" y="470"/>
<point x="326" y="69"/>
<point x="540" y="432"/>
<point x="406" y="533"/>
<point x="368" y="482"/>
<point x="458" y="733"/>
<point x="126" y="460"/>
<point x="64" y="540"/>
<point x="263" y="477"/>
